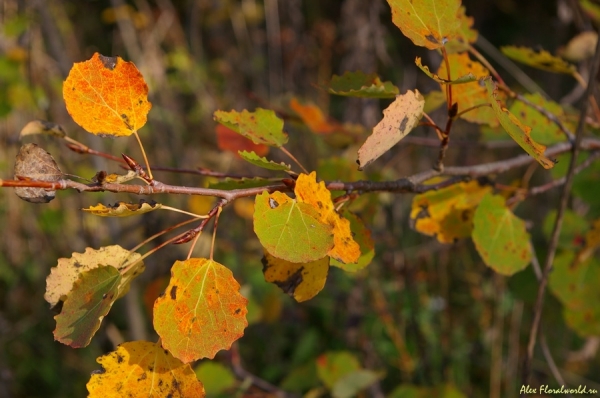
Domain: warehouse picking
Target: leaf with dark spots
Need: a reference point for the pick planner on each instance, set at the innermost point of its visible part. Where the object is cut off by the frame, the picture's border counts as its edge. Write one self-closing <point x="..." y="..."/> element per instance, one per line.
<point x="173" y="293"/>
<point x="108" y="62"/>
<point x="143" y="369"/>
<point x="302" y="281"/>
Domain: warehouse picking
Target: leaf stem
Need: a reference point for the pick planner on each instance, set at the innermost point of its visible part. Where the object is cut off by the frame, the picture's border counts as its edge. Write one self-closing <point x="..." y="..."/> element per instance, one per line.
<point x="293" y="158"/>
<point x="182" y="211"/>
<point x="137" y="136"/>
<point x="164" y="231"/>
<point x="216" y="224"/>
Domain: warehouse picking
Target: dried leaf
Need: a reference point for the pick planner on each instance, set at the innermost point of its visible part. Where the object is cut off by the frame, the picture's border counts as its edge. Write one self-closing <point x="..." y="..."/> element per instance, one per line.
<point x="122" y="209"/>
<point x="143" y="369"/>
<point x="398" y="120"/>
<point x="307" y="190"/>
<point x="60" y="281"/>
<point x="42" y="127"/>
<point x="107" y="96"/>
<point x="302" y="281"/>
<point x="34" y="163"/>
<point x="291" y="230"/>
<point x="261" y="126"/>
<point x="581" y="47"/>
<point x="201" y="311"/>
<point x="428" y="23"/>
<point x="519" y="132"/>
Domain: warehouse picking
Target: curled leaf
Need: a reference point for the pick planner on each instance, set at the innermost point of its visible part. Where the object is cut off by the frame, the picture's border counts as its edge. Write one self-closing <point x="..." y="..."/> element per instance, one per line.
<point x="42" y="127"/>
<point x="518" y="131"/>
<point x="122" y="209"/>
<point x="256" y="160"/>
<point x="469" y="77"/>
<point x="106" y="95"/>
<point x="359" y="84"/>
<point x="34" y="163"/>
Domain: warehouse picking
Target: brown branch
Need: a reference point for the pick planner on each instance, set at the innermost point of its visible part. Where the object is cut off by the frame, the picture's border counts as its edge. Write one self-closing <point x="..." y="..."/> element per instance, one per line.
<point x="560" y="181"/>
<point x="539" y="303"/>
<point x="412" y="184"/>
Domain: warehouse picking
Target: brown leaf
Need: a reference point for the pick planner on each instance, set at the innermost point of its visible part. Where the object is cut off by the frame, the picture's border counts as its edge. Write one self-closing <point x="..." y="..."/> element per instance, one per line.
<point x="34" y="163"/>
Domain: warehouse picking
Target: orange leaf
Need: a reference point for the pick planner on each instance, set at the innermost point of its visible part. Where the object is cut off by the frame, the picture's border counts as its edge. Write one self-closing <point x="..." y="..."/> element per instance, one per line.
<point x="469" y="94"/>
<point x="143" y="369"/>
<point x="314" y="118"/>
<point x="201" y="311"/>
<point x="106" y="95"/>
<point x="345" y="249"/>
<point x="229" y="140"/>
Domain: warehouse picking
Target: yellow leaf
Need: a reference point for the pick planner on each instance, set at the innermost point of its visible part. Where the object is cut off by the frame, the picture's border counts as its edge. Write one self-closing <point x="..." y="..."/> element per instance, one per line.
<point x="345" y="249"/>
<point x="302" y="281"/>
<point x="106" y="95"/>
<point x="447" y="213"/>
<point x="428" y="23"/>
<point x="122" y="209"/>
<point x="143" y="369"/>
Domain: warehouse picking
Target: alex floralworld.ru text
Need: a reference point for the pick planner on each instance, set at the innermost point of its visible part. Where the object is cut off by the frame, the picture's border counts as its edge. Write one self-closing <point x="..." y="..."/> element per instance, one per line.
<point x="545" y="389"/>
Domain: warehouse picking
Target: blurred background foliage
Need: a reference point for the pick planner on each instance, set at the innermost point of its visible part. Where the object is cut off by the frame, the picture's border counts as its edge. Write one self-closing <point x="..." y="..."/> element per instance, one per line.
<point x="429" y="319"/>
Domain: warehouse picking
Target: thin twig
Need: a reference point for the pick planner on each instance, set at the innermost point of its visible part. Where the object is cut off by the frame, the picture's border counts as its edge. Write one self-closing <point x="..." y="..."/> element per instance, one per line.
<point x="558" y="223"/>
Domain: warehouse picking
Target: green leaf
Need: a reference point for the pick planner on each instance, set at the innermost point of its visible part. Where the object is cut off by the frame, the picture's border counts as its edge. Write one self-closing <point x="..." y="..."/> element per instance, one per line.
<point x="539" y="59"/>
<point x="570" y="280"/>
<point x="352" y="383"/>
<point x="215" y="377"/>
<point x="363" y="237"/>
<point x="428" y="23"/>
<point x="241" y="183"/>
<point x="543" y="130"/>
<point x="290" y="230"/>
<point x="358" y="84"/>
<point x="518" y="131"/>
<point x="256" y="160"/>
<point x="500" y="236"/>
<point x="261" y="126"/>
<point x="468" y="78"/>
<point x="574" y="227"/>
<point x="89" y="301"/>
<point x="332" y="366"/>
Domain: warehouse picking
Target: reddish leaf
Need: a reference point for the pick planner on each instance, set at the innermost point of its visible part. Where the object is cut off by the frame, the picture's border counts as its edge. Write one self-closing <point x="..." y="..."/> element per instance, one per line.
<point x="229" y="140"/>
